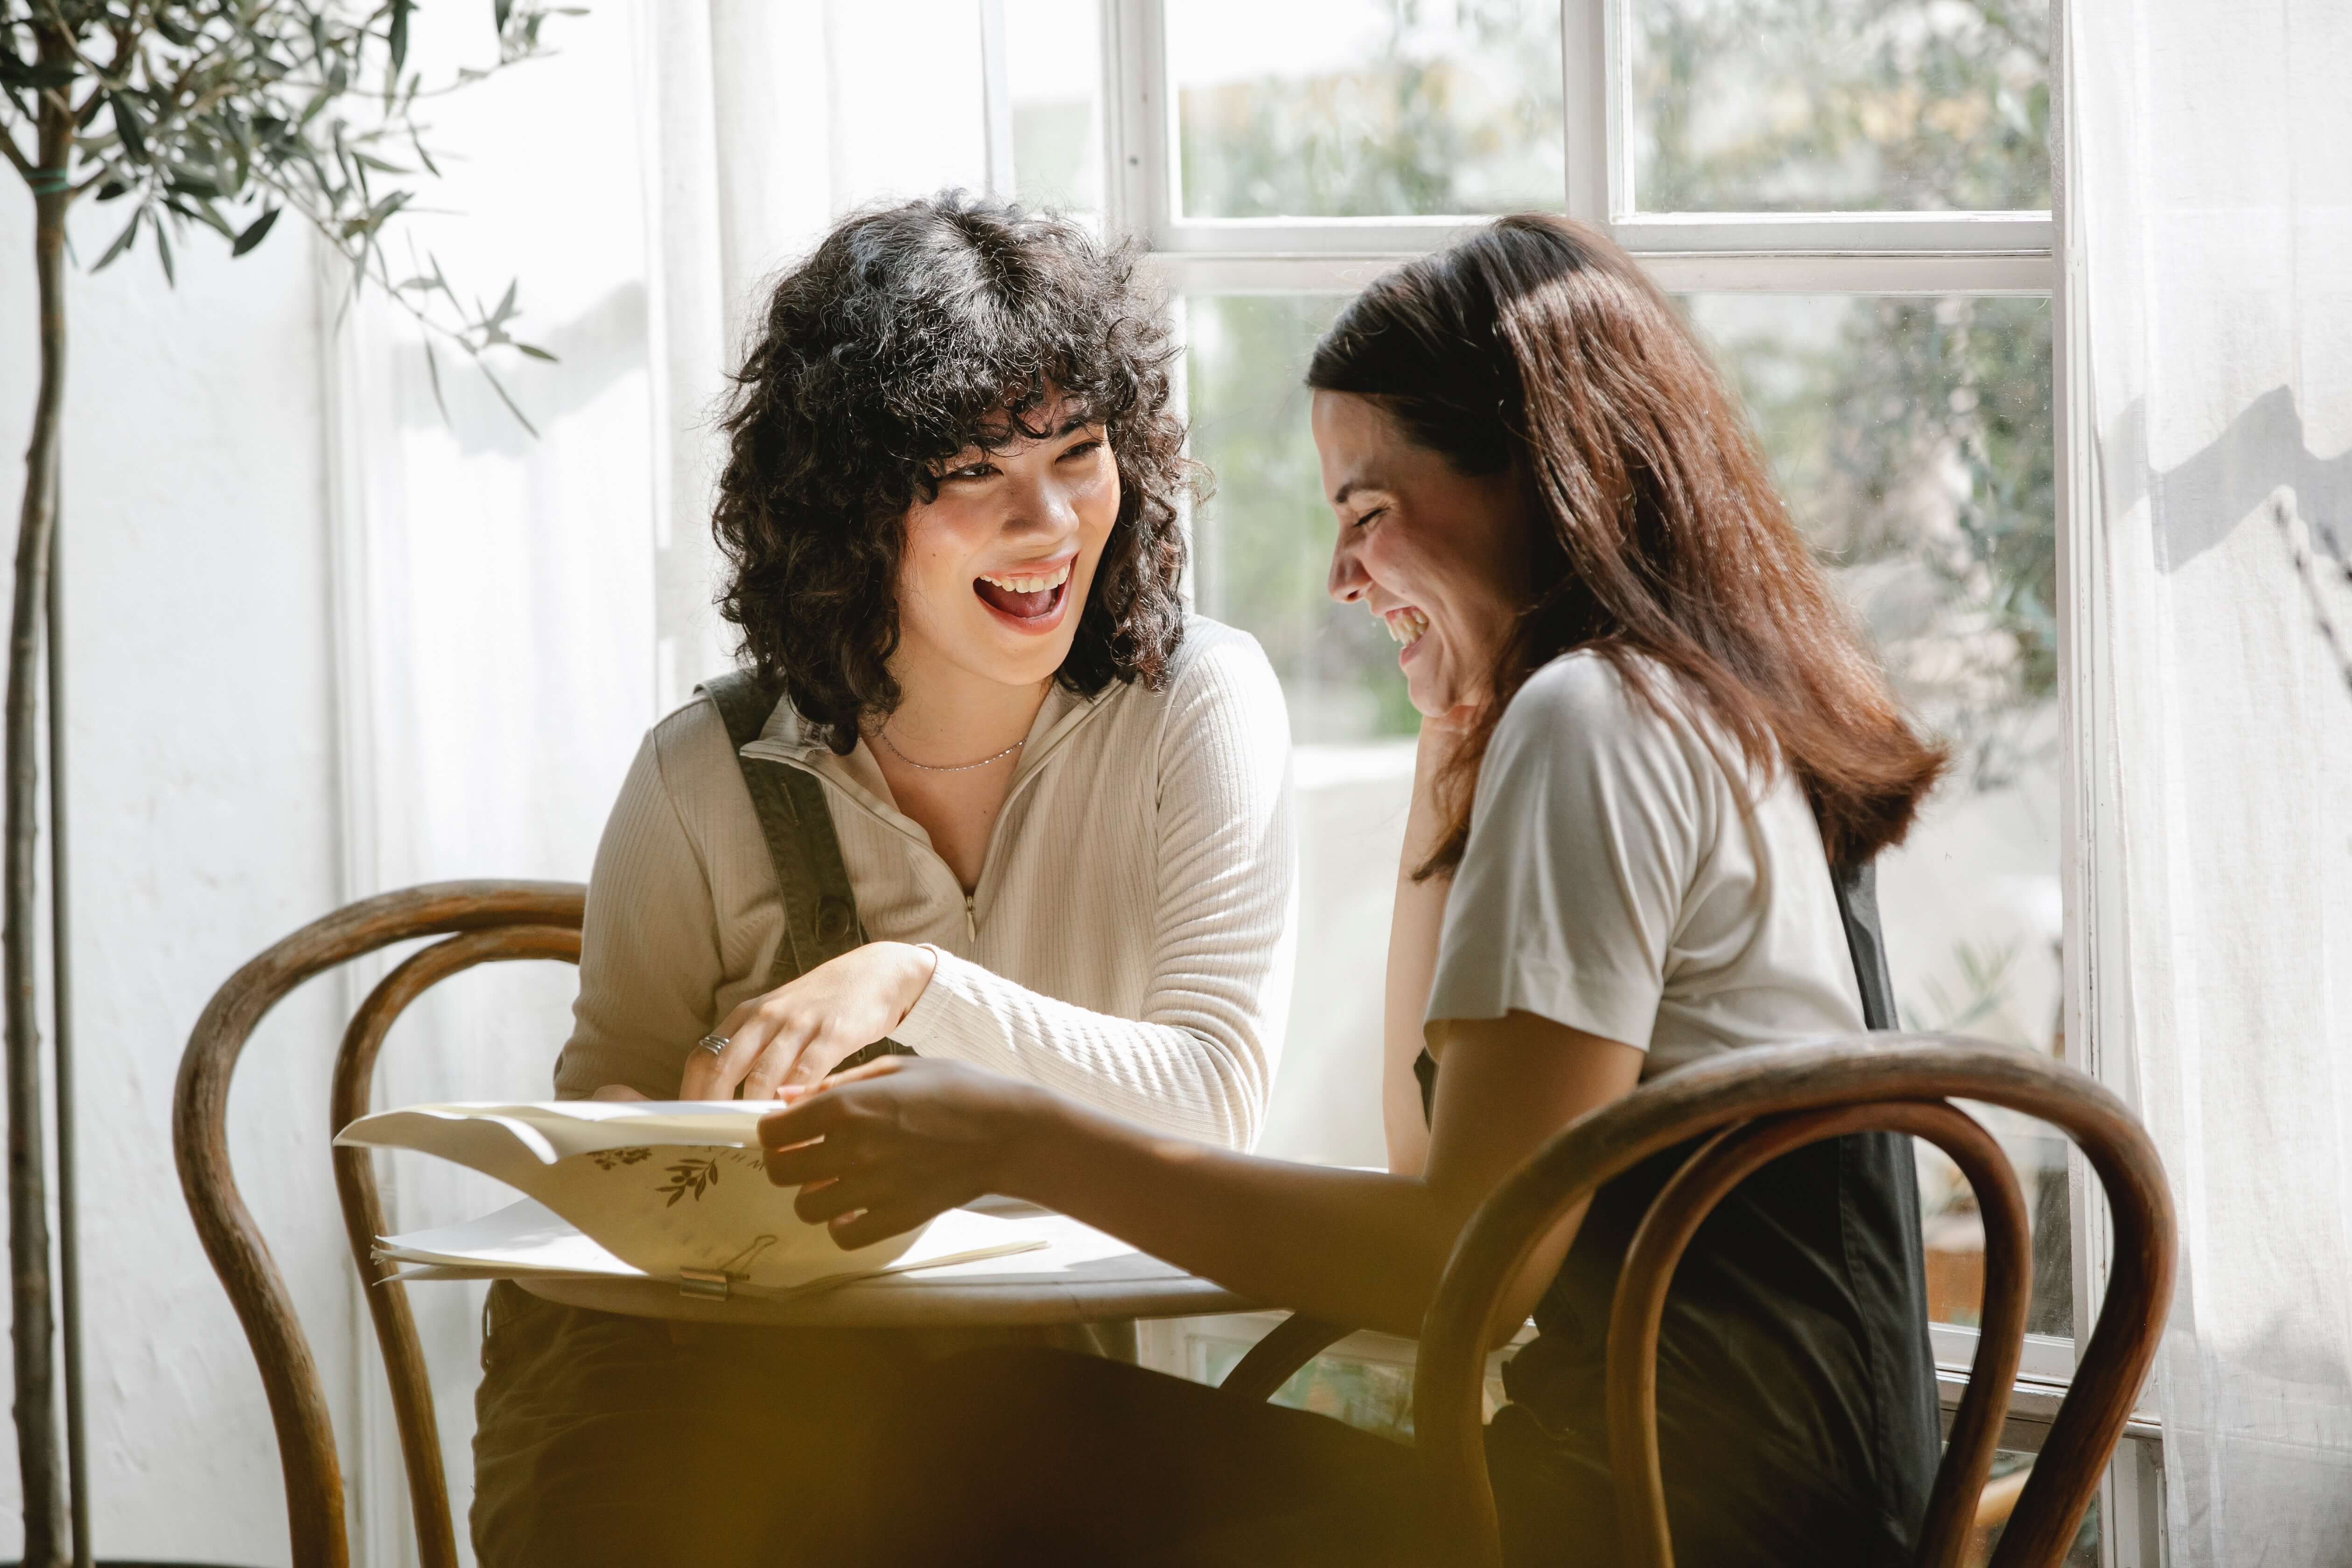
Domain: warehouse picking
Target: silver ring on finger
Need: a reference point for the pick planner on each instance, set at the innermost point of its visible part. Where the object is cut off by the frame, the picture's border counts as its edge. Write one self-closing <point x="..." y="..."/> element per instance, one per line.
<point x="714" y="1043"/>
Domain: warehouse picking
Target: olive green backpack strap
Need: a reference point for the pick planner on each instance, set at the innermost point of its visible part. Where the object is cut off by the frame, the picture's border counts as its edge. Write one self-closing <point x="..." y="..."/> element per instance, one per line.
<point x="812" y="879"/>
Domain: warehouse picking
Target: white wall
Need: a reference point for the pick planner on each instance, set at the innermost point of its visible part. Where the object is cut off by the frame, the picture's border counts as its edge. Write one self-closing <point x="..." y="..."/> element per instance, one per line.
<point x="202" y="828"/>
<point x="325" y="641"/>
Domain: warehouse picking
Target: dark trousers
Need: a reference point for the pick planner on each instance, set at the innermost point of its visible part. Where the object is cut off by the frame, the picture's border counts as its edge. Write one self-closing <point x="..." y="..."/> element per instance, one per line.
<point x="603" y="1439"/>
<point x="1029" y="1456"/>
<point x="621" y="1441"/>
<point x="607" y="1440"/>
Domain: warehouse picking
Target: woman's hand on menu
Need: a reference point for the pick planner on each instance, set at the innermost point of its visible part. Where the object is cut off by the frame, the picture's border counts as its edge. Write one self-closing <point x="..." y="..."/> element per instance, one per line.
<point x="881" y="1149"/>
<point x="793" y="1036"/>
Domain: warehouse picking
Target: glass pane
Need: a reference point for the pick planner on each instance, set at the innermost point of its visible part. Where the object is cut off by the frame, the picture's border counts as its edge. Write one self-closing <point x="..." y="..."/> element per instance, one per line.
<point x="1263" y="539"/>
<point x="2010" y="1468"/>
<point x="1913" y="439"/>
<point x="1839" y="105"/>
<point x="1052" y="63"/>
<point x="1366" y="107"/>
<point x="1371" y="1392"/>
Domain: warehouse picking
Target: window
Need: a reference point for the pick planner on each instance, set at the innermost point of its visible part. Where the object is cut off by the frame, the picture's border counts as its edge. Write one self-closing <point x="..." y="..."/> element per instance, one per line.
<point x="1851" y="200"/>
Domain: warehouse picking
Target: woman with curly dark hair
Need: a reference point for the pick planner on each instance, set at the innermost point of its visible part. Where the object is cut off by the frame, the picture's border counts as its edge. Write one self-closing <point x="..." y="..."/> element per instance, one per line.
<point x="984" y="791"/>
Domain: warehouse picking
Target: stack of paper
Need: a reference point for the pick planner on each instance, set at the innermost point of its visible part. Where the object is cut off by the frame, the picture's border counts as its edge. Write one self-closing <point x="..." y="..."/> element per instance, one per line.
<point x="672" y="1190"/>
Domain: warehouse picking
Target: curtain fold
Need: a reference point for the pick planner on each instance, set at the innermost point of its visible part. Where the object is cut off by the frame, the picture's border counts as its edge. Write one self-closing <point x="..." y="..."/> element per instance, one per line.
<point x="2212" y="217"/>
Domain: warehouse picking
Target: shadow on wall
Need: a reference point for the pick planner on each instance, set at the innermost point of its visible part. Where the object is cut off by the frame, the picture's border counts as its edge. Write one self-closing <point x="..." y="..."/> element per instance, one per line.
<point x="2196" y="504"/>
<point x="603" y="345"/>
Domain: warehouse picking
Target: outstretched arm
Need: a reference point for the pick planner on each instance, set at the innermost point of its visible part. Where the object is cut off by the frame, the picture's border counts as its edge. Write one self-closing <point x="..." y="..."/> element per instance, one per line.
<point x="881" y="1150"/>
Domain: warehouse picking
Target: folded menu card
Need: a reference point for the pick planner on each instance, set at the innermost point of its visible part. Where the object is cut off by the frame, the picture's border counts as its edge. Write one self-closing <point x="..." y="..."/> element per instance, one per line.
<point x="671" y="1190"/>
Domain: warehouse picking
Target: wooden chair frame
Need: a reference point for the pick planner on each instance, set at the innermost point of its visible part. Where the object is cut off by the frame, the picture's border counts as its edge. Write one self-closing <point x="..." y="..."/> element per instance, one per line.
<point x="484" y="921"/>
<point x="1753" y="1106"/>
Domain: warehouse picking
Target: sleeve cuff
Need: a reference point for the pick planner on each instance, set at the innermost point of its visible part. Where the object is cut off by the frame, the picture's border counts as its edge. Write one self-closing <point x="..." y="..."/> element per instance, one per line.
<point x="952" y="1018"/>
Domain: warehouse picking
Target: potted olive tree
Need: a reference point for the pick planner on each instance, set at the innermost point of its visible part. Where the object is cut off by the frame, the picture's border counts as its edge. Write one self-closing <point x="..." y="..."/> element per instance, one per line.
<point x="180" y="115"/>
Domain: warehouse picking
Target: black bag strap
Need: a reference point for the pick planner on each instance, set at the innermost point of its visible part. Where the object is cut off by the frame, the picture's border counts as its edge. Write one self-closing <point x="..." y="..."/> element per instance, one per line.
<point x="1857" y="902"/>
<point x="812" y="879"/>
<point x="820" y="909"/>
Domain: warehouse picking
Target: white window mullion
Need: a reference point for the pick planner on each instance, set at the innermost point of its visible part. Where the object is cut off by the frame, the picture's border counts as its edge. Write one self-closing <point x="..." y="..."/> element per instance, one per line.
<point x="1835" y="272"/>
<point x="995" y="100"/>
<point x="1136" y="117"/>
<point x="1888" y="232"/>
<point x="1590" y="88"/>
<point x="1344" y="270"/>
<point x="1307" y="236"/>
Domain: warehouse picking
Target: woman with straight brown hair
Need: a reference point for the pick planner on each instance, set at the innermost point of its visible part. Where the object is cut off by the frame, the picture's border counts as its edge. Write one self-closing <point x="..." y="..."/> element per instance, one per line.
<point x="1653" y="749"/>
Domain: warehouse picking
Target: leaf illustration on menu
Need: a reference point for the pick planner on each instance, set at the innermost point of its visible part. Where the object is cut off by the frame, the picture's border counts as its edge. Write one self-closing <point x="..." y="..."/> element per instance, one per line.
<point x="690" y="1178"/>
<point x="613" y="1159"/>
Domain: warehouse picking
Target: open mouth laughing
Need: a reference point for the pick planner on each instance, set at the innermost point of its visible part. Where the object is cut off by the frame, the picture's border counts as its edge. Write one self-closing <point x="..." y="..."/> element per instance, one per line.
<point x="1032" y="598"/>
<point x="1408" y="625"/>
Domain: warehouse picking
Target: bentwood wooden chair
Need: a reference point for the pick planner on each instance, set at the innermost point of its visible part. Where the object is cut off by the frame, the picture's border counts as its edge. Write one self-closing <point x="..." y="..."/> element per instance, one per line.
<point x="483" y="923"/>
<point x="1759" y="1104"/>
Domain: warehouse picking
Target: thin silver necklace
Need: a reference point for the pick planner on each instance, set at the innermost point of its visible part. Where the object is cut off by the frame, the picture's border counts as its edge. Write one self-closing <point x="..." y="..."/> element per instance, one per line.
<point x="883" y="735"/>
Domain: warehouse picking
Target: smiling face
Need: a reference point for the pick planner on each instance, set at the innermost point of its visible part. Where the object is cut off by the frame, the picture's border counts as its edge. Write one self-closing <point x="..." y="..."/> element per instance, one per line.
<point x="996" y="568"/>
<point x="1438" y="556"/>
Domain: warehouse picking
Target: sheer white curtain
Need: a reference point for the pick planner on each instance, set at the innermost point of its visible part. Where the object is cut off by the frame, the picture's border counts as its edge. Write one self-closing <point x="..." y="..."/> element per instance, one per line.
<point x="513" y="610"/>
<point x="2213" y="222"/>
<point x="495" y="613"/>
<point x="766" y="120"/>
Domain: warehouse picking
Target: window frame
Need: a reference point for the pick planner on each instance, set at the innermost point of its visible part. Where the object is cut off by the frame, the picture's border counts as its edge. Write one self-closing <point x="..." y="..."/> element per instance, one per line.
<point x="1835" y="252"/>
<point x="1882" y="253"/>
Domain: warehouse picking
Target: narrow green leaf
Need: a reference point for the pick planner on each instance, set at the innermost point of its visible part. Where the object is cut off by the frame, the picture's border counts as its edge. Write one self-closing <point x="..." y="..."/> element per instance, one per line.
<point x="121" y="241"/>
<point x="126" y="124"/>
<point x="212" y="220"/>
<point x="33" y="74"/>
<point x="512" y="407"/>
<point x="396" y="39"/>
<point x="506" y="304"/>
<point x="535" y="351"/>
<point x="164" y="250"/>
<point x="432" y="374"/>
<point x="254" y="233"/>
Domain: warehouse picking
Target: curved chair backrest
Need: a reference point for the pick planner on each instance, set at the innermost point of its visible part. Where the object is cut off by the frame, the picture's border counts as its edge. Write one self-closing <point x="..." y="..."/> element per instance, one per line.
<point x="1759" y="1103"/>
<point x="485" y="921"/>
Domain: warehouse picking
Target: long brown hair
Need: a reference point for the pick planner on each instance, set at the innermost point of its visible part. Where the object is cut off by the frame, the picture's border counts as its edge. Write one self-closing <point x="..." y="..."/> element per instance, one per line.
<point x="1538" y="343"/>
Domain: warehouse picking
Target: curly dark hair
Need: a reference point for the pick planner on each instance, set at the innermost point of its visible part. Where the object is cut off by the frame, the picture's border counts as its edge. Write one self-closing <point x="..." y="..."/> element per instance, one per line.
<point x="910" y="333"/>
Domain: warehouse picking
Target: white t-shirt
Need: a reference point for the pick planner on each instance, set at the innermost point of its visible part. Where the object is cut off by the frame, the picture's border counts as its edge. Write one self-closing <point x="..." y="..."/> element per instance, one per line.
<point x="1613" y="881"/>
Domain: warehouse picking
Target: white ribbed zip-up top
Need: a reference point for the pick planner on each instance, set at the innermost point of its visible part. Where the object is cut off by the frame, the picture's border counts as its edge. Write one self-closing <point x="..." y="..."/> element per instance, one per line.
<point x="1129" y="941"/>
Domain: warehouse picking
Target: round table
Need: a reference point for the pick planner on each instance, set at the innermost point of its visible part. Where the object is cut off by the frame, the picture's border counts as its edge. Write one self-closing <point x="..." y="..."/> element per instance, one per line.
<point x="1082" y="1276"/>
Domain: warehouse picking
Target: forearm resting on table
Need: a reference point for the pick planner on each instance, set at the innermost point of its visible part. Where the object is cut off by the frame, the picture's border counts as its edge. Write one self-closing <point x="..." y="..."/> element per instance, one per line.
<point x="1361" y="1249"/>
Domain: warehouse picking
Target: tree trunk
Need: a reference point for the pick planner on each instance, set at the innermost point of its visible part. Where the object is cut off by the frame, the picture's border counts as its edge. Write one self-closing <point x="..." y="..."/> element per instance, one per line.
<point x="33" y="1325"/>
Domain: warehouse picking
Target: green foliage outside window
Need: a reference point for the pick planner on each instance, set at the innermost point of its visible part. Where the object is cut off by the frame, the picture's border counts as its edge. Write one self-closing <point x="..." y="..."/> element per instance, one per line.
<point x="1455" y="110"/>
<point x="1840" y="105"/>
